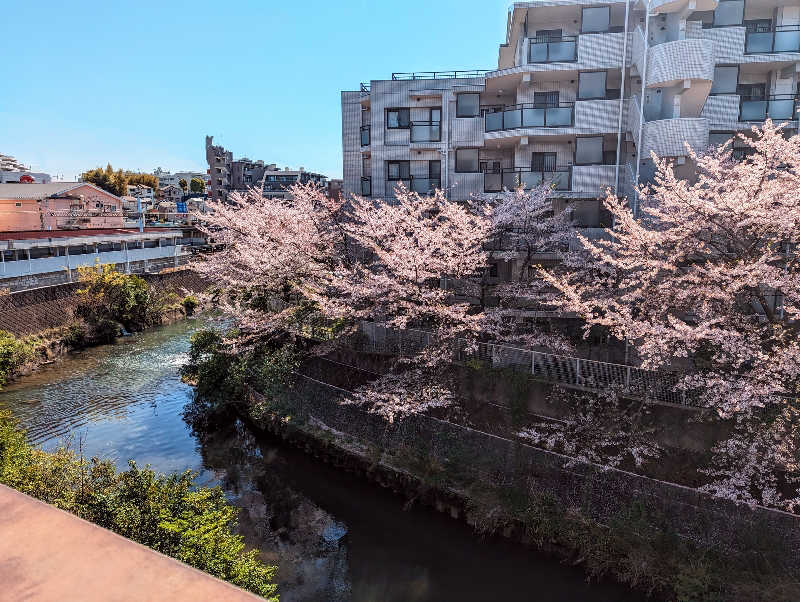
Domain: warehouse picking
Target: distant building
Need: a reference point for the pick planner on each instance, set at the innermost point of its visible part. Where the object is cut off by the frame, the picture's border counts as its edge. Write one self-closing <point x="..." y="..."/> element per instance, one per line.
<point x="166" y="178"/>
<point x="36" y="258"/>
<point x="12" y="170"/>
<point x="58" y="205"/>
<point x="173" y="193"/>
<point x="227" y="175"/>
<point x="140" y="191"/>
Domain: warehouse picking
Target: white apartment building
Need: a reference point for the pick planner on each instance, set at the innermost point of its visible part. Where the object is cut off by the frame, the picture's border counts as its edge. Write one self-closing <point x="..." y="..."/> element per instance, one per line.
<point x="565" y="102"/>
<point x="165" y="178"/>
<point x="12" y="171"/>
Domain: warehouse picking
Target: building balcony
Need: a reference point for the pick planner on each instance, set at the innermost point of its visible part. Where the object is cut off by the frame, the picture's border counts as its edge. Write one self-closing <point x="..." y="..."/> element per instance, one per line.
<point x="530" y="115"/>
<point x="425" y="131"/>
<point x="510" y="179"/>
<point x="779" y="107"/>
<point x="782" y="38"/>
<point x="420" y="185"/>
<point x="365" y="135"/>
<point x="563" y="49"/>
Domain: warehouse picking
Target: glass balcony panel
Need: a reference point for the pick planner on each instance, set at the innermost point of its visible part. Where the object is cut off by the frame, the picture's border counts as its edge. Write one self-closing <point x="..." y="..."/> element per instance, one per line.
<point x="510" y="180"/>
<point x="759" y="42"/>
<point x="782" y="109"/>
<point x="492" y="182"/>
<point x="425" y="132"/>
<point x="366" y="187"/>
<point x="559" y="116"/>
<point x="562" y="51"/>
<point x="730" y="12"/>
<point x="787" y="41"/>
<point x="365" y="137"/>
<point x="538" y="52"/>
<point x="753" y="110"/>
<point x="494" y="121"/>
<point x="531" y="179"/>
<point x="559" y="179"/>
<point x="425" y="185"/>
<point x="512" y="119"/>
<point x="533" y="118"/>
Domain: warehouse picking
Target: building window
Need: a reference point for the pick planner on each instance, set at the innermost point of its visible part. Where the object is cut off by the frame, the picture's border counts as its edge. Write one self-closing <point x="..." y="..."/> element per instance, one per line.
<point x="729" y="12"/>
<point x="468" y="105"/>
<point x="398" y="170"/>
<point x="725" y="79"/>
<point x="589" y="151"/>
<point x="545" y="100"/>
<point x="467" y="160"/>
<point x="17" y="204"/>
<point x="591" y="84"/>
<point x="543" y="162"/>
<point x="398" y="118"/>
<point x="595" y="19"/>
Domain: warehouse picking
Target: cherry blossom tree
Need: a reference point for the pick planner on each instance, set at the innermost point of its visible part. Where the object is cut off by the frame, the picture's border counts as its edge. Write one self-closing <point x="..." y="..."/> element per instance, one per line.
<point x="707" y="282"/>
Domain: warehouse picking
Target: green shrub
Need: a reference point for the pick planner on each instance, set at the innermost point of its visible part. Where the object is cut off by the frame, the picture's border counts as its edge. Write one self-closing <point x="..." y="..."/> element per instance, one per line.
<point x="167" y="513"/>
<point x="14" y="353"/>
<point x="190" y="303"/>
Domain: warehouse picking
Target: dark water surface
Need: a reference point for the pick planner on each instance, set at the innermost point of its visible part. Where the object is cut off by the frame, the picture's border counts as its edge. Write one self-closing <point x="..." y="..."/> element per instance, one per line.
<point x="333" y="536"/>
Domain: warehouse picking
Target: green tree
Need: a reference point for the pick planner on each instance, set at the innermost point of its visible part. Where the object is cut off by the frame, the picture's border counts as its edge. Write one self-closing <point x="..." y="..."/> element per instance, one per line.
<point x="168" y="513"/>
<point x="183" y="184"/>
<point x="197" y="185"/>
<point x="116" y="182"/>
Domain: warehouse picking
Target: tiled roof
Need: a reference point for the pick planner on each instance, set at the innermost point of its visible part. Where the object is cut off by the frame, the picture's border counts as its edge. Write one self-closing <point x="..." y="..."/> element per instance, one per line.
<point x="42" y="191"/>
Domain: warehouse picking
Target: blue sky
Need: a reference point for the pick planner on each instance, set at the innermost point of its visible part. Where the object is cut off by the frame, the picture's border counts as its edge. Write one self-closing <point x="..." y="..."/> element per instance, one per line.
<point x="141" y="83"/>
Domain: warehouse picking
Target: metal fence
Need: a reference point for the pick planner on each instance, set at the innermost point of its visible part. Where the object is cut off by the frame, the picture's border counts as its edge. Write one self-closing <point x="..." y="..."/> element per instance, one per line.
<point x="554" y="368"/>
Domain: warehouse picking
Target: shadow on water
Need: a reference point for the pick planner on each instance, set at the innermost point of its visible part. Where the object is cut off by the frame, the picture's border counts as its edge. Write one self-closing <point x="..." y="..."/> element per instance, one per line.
<point x="334" y="536"/>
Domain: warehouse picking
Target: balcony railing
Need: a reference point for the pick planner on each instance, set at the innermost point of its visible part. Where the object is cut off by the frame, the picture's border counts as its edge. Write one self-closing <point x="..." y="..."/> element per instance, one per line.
<point x="780" y="107"/>
<point x="783" y="38"/>
<point x="423" y="186"/>
<point x="365" y="135"/>
<point x="555" y="50"/>
<point x="530" y="116"/>
<point x="559" y="178"/>
<point x="426" y="131"/>
<point x="366" y="186"/>
<point x="440" y="74"/>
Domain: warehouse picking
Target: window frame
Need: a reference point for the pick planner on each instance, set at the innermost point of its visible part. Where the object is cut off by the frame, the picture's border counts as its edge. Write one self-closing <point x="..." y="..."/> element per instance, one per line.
<point x="602" y="144"/>
<point x="735" y="87"/>
<point x="459" y="114"/>
<point x="477" y="161"/>
<point x="399" y="111"/>
<point x="608" y="26"/>
<point x="605" y="85"/>
<point x="399" y="163"/>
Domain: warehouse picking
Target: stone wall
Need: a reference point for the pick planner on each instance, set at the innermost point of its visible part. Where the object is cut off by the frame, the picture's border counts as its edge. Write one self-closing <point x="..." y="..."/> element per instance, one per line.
<point x="28" y="312"/>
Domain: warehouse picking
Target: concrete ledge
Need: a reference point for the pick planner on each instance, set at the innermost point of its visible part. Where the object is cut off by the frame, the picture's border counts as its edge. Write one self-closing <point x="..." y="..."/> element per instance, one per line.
<point x="47" y="554"/>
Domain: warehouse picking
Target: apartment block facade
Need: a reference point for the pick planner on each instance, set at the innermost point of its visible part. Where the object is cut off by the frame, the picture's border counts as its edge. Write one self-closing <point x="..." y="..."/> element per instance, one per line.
<point x="583" y="92"/>
<point x="227" y="175"/>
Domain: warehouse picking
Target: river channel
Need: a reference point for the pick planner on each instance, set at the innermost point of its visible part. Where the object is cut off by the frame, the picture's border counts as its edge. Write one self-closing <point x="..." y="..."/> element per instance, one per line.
<point x="333" y="536"/>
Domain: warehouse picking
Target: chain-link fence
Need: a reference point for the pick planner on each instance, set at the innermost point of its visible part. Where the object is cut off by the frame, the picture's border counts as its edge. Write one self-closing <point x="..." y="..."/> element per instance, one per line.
<point x="460" y="459"/>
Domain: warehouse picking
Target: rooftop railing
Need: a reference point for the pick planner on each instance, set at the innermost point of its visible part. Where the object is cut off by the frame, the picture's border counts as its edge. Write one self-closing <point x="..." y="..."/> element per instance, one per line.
<point x="778" y="107"/>
<point x="441" y="74"/>
<point x="782" y="38"/>
<point x="530" y="115"/>
<point x="560" y="178"/>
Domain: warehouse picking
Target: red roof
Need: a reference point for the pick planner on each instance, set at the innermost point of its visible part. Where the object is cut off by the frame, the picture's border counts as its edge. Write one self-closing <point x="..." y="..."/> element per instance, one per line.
<point x="37" y="234"/>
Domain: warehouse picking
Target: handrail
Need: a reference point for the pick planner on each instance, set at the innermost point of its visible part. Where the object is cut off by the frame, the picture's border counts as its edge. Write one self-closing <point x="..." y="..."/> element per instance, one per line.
<point x="441" y="74"/>
<point x="776" y="39"/>
<point x="530" y="115"/>
<point x="560" y="369"/>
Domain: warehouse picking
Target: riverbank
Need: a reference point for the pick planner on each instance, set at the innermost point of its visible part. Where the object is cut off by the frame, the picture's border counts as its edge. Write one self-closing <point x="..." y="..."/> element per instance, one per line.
<point x="660" y="539"/>
<point x="333" y="535"/>
<point x="103" y="307"/>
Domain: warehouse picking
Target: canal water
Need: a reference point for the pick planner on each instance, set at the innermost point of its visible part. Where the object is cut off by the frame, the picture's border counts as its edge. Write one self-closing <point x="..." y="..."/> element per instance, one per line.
<point x="333" y="536"/>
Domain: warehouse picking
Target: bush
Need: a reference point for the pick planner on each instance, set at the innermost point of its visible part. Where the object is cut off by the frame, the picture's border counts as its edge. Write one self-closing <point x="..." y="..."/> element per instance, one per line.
<point x="190" y="303"/>
<point x="75" y="335"/>
<point x="14" y="353"/>
<point x="167" y="513"/>
<point x="110" y="297"/>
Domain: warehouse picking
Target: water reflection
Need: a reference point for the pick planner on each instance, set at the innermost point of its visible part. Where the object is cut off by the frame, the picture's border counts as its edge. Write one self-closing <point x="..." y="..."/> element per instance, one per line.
<point x="333" y="536"/>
